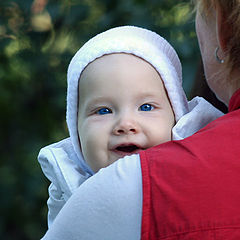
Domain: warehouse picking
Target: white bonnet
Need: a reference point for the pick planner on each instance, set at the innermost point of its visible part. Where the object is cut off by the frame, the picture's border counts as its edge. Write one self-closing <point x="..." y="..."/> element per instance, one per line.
<point x="126" y="39"/>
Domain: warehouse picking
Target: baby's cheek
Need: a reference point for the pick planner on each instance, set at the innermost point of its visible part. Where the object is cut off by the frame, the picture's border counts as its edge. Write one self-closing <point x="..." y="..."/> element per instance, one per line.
<point x="162" y="136"/>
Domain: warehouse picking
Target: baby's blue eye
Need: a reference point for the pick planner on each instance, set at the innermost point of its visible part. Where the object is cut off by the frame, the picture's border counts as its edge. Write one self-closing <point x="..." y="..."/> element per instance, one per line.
<point x="146" y="107"/>
<point x="103" y="111"/>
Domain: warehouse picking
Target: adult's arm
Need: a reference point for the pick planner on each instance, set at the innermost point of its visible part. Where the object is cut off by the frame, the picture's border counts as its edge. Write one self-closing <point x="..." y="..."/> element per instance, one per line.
<point x="106" y="206"/>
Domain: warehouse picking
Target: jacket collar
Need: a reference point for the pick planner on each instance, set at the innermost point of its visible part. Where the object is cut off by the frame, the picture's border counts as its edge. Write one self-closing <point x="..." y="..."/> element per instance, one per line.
<point x="234" y="102"/>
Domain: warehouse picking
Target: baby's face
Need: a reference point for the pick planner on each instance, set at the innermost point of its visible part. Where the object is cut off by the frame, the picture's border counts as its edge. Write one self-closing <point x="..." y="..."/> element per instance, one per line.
<point x="123" y="109"/>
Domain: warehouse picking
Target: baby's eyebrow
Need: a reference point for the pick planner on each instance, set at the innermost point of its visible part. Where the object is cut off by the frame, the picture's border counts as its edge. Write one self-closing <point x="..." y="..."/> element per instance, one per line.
<point x="99" y="99"/>
<point x="155" y="94"/>
<point x="96" y="101"/>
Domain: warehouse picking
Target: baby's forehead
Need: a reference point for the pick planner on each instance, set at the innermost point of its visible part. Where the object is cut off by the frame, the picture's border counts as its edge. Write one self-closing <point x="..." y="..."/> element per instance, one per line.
<point x="118" y="61"/>
<point x="121" y="73"/>
<point x="108" y="60"/>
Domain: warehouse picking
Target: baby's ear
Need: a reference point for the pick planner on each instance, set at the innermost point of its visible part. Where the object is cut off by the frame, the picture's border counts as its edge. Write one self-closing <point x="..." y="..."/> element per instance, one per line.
<point x="224" y="29"/>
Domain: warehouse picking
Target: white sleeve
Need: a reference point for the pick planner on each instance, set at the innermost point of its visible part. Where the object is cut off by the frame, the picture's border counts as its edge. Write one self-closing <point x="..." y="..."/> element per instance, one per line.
<point x="56" y="200"/>
<point x="58" y="165"/>
<point x="55" y="203"/>
<point x="107" y="206"/>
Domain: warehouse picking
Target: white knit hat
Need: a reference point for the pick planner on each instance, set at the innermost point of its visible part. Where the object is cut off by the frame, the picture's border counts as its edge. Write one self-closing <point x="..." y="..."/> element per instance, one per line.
<point x="133" y="40"/>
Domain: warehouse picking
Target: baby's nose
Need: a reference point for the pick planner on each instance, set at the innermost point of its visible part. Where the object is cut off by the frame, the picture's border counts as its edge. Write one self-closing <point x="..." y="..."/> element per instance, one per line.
<point x="126" y="126"/>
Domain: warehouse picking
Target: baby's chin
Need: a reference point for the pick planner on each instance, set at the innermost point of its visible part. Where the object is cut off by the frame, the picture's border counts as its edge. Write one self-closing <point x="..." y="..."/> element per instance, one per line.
<point x="119" y="155"/>
<point x="98" y="167"/>
<point x="113" y="157"/>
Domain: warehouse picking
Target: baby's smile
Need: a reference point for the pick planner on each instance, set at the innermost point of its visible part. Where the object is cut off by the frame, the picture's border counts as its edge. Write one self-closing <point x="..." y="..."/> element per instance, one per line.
<point x="127" y="149"/>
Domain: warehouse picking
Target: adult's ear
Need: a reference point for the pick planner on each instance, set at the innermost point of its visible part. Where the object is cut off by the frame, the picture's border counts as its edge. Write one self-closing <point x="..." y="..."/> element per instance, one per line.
<point x="224" y="28"/>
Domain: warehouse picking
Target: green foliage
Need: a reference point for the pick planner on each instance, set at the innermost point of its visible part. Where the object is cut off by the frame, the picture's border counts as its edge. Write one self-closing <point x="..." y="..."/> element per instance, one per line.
<point x="37" y="40"/>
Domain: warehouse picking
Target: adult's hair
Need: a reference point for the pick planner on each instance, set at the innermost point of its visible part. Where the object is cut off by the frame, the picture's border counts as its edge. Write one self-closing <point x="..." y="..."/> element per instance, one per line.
<point x="231" y="13"/>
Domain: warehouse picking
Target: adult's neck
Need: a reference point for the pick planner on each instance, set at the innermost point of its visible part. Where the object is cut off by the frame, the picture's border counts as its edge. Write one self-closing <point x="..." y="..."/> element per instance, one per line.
<point x="233" y="84"/>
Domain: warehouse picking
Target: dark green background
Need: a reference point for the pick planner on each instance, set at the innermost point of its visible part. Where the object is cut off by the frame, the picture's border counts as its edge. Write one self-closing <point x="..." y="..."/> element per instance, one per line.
<point x="37" y="41"/>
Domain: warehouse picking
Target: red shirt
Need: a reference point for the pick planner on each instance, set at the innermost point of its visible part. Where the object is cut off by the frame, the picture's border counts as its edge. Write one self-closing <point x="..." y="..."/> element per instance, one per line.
<point x="191" y="188"/>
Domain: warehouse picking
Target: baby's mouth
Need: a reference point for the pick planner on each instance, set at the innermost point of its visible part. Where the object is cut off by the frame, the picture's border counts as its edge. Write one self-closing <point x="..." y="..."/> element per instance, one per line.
<point x="128" y="148"/>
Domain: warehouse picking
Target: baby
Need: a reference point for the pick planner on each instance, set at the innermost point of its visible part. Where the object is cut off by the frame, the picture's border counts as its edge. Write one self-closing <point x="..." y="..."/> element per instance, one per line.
<point x="123" y="108"/>
<point x="124" y="95"/>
